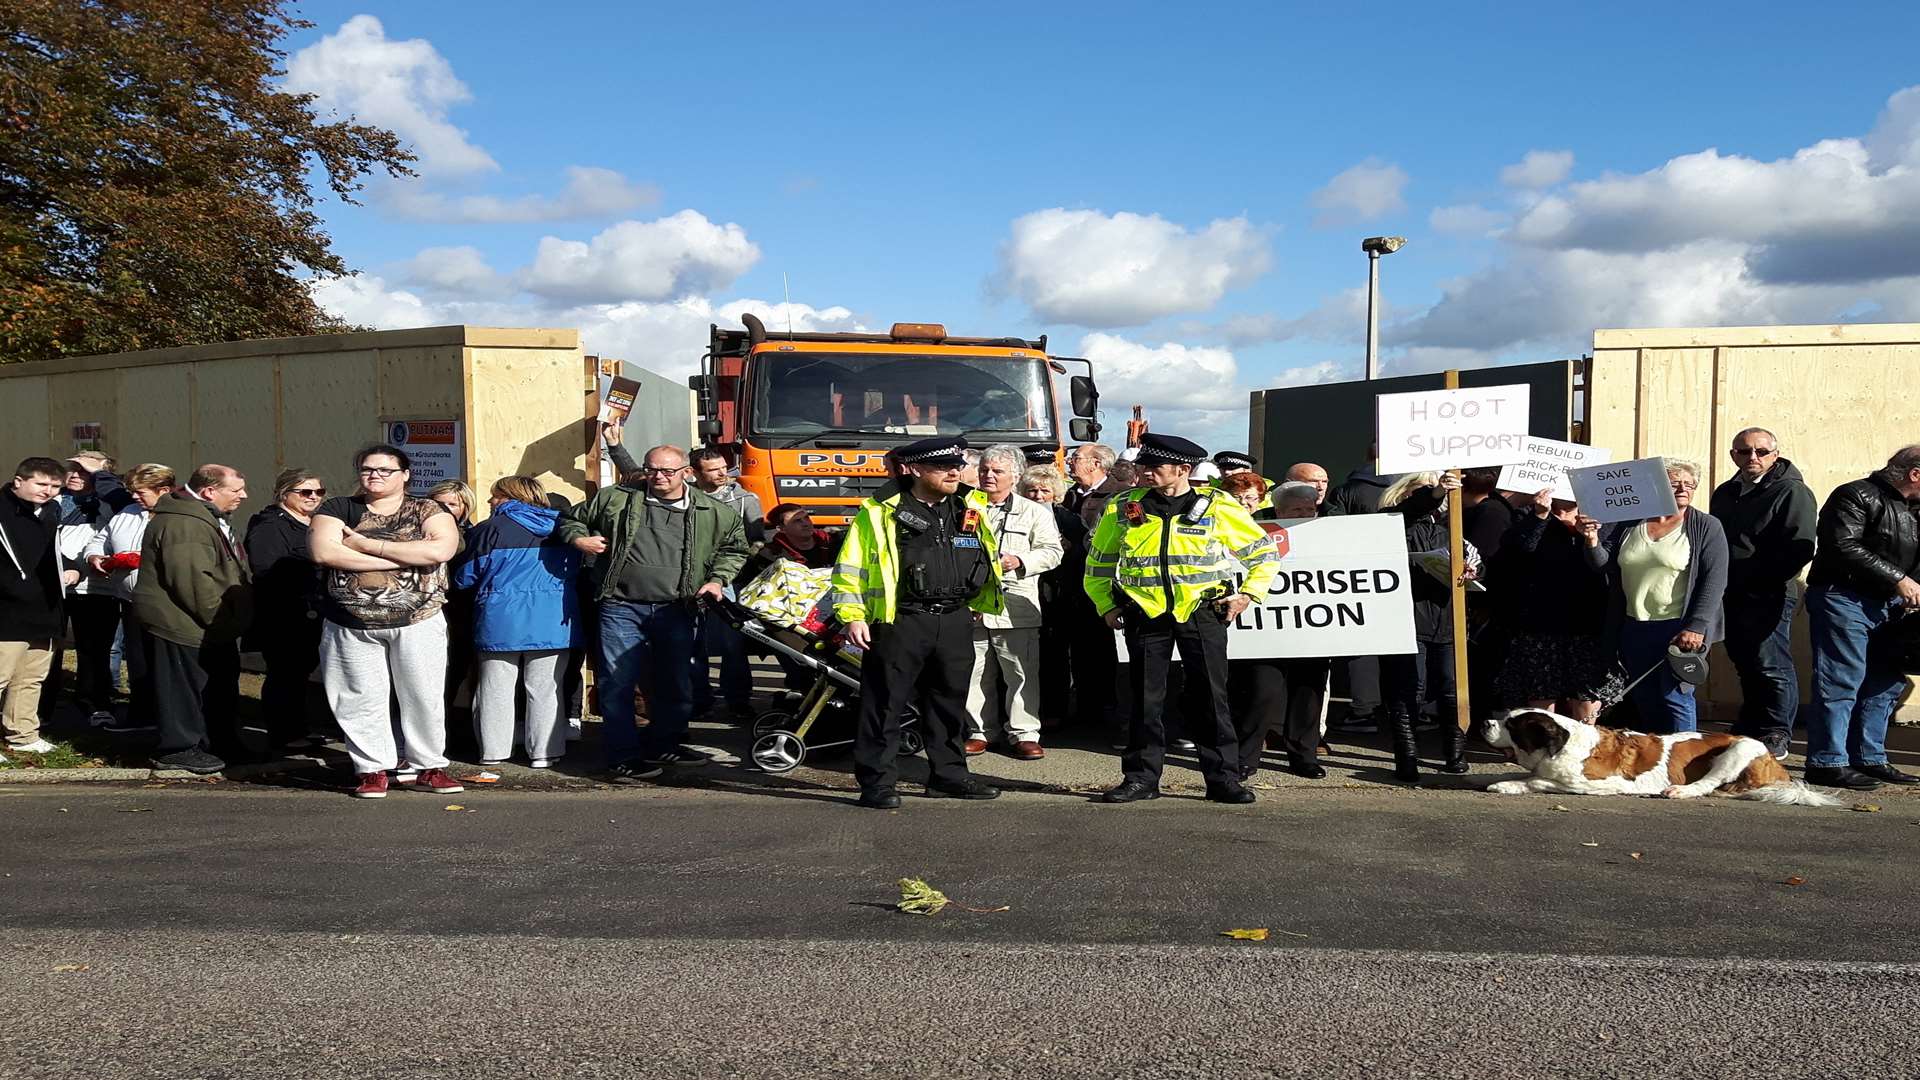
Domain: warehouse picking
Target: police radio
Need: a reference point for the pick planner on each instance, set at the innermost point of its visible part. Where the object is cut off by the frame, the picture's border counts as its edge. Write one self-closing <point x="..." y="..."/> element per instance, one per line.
<point x="1198" y="511"/>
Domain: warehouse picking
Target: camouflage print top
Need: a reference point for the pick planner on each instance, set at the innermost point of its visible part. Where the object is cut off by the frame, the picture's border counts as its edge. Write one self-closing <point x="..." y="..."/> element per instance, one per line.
<point x="384" y="599"/>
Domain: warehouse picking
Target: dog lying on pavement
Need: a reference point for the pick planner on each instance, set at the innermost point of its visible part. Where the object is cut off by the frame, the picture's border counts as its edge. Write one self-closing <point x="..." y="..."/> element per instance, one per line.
<point x="1568" y="757"/>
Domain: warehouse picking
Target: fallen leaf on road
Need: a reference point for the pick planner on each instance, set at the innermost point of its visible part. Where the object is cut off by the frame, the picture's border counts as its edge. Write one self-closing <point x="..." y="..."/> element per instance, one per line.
<point x="1633" y="854"/>
<point x="1259" y="934"/>
<point x="1866" y="808"/>
<point x="454" y="806"/>
<point x="919" y="898"/>
<point x="64" y="810"/>
<point x="1588" y="843"/>
<point x="1561" y="809"/>
<point x="1795" y="881"/>
<point x="64" y="969"/>
<point x="136" y="810"/>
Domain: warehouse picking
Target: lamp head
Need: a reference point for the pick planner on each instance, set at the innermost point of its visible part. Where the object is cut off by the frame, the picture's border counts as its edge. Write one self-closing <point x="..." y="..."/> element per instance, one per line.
<point x="1382" y="245"/>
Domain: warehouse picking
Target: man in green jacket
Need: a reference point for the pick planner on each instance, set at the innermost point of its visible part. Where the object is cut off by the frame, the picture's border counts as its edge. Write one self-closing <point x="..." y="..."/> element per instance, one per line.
<point x="192" y="600"/>
<point x="657" y="553"/>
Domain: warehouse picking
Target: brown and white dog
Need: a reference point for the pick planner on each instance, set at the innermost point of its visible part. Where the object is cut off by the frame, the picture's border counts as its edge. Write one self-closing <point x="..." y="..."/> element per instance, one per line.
<point x="1568" y="757"/>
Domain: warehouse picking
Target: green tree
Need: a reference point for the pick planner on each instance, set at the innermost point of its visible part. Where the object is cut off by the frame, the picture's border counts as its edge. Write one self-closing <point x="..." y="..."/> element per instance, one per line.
<point x="155" y="181"/>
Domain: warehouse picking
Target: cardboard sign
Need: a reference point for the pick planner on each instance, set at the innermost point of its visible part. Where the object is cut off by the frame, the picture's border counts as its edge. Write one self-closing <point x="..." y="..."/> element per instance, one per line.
<point x="1344" y="589"/>
<point x="1451" y="429"/>
<point x="1546" y="466"/>
<point x="1624" y="490"/>
<point x="435" y="447"/>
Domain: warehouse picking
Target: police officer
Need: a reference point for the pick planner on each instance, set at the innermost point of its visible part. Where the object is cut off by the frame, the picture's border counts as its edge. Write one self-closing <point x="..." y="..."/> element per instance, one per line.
<point x="917" y="562"/>
<point x="1158" y="567"/>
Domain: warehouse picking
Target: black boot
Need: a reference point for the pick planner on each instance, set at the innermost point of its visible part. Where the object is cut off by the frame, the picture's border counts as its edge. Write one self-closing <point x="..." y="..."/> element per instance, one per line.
<point x="1454" y="739"/>
<point x="1406" y="751"/>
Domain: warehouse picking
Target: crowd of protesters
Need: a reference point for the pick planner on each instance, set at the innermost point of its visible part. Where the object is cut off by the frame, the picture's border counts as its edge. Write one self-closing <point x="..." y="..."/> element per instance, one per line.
<point x="398" y="602"/>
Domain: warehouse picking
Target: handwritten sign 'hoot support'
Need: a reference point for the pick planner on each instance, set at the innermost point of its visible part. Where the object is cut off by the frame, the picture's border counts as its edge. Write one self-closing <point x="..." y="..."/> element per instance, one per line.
<point x="1624" y="491"/>
<point x="1343" y="590"/>
<point x="1451" y="429"/>
<point x="1546" y="466"/>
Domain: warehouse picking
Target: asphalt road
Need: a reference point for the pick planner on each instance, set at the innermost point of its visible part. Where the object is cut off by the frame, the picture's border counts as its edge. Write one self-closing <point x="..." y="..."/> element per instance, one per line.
<point x="209" y="930"/>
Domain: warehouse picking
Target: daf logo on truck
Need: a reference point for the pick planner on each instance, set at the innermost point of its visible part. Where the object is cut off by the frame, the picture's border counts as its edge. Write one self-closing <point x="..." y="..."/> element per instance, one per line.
<point x="830" y="406"/>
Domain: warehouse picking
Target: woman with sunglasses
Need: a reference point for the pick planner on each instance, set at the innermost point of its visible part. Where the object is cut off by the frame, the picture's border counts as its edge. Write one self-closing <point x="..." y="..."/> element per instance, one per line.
<point x="1667" y="576"/>
<point x="286" y="585"/>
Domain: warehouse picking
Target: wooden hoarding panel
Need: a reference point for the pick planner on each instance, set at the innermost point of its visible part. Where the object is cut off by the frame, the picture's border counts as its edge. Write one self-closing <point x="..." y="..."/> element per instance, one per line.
<point x="155" y="417"/>
<point x="526" y="417"/>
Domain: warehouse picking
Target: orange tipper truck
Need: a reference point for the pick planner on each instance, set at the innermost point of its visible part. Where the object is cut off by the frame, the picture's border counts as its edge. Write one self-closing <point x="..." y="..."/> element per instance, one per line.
<point x="809" y="418"/>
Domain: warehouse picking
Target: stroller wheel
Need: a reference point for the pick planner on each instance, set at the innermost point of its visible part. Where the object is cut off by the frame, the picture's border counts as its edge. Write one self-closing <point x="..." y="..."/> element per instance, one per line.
<point x="769" y="722"/>
<point x="778" y="752"/>
<point x="911" y="742"/>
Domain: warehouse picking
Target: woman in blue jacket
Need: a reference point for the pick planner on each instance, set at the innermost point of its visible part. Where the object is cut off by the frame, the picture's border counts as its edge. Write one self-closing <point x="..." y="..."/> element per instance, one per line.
<point x="526" y="617"/>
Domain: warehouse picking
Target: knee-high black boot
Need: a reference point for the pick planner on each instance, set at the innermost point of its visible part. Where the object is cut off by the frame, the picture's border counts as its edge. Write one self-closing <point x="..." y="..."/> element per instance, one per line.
<point x="1453" y="738"/>
<point x="1406" y="751"/>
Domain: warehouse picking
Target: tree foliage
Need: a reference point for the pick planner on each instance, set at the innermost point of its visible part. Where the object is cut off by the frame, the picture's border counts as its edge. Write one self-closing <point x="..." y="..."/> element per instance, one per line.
<point x="154" y="180"/>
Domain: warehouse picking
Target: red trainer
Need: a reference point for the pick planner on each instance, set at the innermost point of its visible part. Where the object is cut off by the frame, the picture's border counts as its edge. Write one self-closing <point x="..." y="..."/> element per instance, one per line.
<point x="436" y="781"/>
<point x="373" y="785"/>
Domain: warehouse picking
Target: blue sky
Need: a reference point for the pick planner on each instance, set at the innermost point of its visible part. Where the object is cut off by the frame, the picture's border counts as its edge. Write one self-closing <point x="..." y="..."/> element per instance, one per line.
<point x="1177" y="190"/>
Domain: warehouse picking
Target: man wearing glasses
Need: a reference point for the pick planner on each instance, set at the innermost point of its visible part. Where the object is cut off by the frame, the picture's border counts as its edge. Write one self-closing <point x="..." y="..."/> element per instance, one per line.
<point x="657" y="554"/>
<point x="1770" y="519"/>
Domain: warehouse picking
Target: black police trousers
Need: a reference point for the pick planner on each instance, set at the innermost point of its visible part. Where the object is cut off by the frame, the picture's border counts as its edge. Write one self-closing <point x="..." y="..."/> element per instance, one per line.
<point x="1203" y="651"/>
<point x="924" y="657"/>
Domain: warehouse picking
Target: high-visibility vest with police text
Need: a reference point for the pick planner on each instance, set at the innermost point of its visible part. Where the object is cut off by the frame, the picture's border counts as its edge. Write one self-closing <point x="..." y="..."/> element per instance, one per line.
<point x="1156" y="562"/>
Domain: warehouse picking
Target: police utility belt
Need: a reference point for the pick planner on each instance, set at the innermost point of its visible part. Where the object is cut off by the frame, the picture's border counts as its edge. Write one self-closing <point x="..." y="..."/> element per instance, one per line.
<point x="923" y="588"/>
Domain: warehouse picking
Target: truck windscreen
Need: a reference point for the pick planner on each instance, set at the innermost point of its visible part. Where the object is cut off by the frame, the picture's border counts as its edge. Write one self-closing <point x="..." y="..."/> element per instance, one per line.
<point x="902" y="394"/>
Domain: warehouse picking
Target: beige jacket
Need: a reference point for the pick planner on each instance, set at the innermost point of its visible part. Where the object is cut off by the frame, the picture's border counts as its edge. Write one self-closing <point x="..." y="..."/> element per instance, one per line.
<point x="1026" y="529"/>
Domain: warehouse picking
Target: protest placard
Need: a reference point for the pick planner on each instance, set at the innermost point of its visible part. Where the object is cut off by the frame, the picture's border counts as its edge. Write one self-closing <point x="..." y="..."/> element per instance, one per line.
<point x="1624" y="490"/>
<point x="1344" y="589"/>
<point x="1546" y="466"/>
<point x="1451" y="429"/>
<point x="616" y="398"/>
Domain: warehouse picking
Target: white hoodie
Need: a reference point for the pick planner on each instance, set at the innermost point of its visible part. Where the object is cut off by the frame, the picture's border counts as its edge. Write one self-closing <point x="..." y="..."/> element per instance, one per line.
<point x="122" y="532"/>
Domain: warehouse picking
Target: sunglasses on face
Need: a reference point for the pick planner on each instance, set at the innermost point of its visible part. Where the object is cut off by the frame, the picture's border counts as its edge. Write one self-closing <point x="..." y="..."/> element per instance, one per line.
<point x="310" y="493"/>
<point x="378" y="473"/>
<point x="1752" y="451"/>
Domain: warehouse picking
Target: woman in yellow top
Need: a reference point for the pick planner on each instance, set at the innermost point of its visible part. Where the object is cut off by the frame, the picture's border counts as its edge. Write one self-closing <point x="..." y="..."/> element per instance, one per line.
<point x="1667" y="576"/>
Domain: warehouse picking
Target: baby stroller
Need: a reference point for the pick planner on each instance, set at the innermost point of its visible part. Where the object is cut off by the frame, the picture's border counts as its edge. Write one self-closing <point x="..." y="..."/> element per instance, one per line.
<point x="784" y="611"/>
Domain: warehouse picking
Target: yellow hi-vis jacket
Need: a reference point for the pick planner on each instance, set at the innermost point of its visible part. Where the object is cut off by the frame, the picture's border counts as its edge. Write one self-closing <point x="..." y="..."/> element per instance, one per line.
<point x="1162" y="563"/>
<point x="866" y="573"/>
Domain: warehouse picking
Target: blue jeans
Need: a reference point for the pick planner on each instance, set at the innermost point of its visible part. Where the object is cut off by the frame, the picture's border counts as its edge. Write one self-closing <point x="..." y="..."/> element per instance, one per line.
<point x="1760" y="644"/>
<point x="656" y="639"/>
<point x="717" y="635"/>
<point x="1665" y="704"/>
<point x="1852" y="699"/>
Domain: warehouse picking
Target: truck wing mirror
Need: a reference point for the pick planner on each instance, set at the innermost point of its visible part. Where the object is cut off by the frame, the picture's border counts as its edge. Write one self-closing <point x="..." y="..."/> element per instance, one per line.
<point x="1083" y="429"/>
<point x="1086" y="397"/>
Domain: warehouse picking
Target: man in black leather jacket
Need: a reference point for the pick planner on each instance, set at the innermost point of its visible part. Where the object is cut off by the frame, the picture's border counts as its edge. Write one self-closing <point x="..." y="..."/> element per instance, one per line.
<point x="1864" y="577"/>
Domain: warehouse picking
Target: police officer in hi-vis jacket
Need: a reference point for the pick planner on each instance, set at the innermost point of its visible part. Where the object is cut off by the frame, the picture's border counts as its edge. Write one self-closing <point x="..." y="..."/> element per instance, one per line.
<point x="1161" y="567"/>
<point x="918" y="560"/>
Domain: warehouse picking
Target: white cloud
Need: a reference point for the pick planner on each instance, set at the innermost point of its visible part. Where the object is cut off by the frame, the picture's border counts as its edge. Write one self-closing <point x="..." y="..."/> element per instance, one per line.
<point x="590" y="193"/>
<point x="1829" y="233"/>
<point x="666" y="338"/>
<point x="650" y="261"/>
<point x="404" y="86"/>
<point x="1092" y="269"/>
<point x="1466" y="220"/>
<point x="1169" y="375"/>
<point x="459" y="271"/>
<point x="1366" y="191"/>
<point x="1538" y="169"/>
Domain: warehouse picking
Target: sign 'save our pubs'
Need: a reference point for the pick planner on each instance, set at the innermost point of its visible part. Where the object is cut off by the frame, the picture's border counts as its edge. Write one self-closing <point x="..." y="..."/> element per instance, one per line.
<point x="1624" y="490"/>
<point x="1432" y="430"/>
<point x="1343" y="590"/>
<point x="1546" y="466"/>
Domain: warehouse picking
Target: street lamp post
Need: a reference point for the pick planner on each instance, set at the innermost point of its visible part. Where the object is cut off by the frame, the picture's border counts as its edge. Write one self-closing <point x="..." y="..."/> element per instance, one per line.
<point x="1376" y="246"/>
